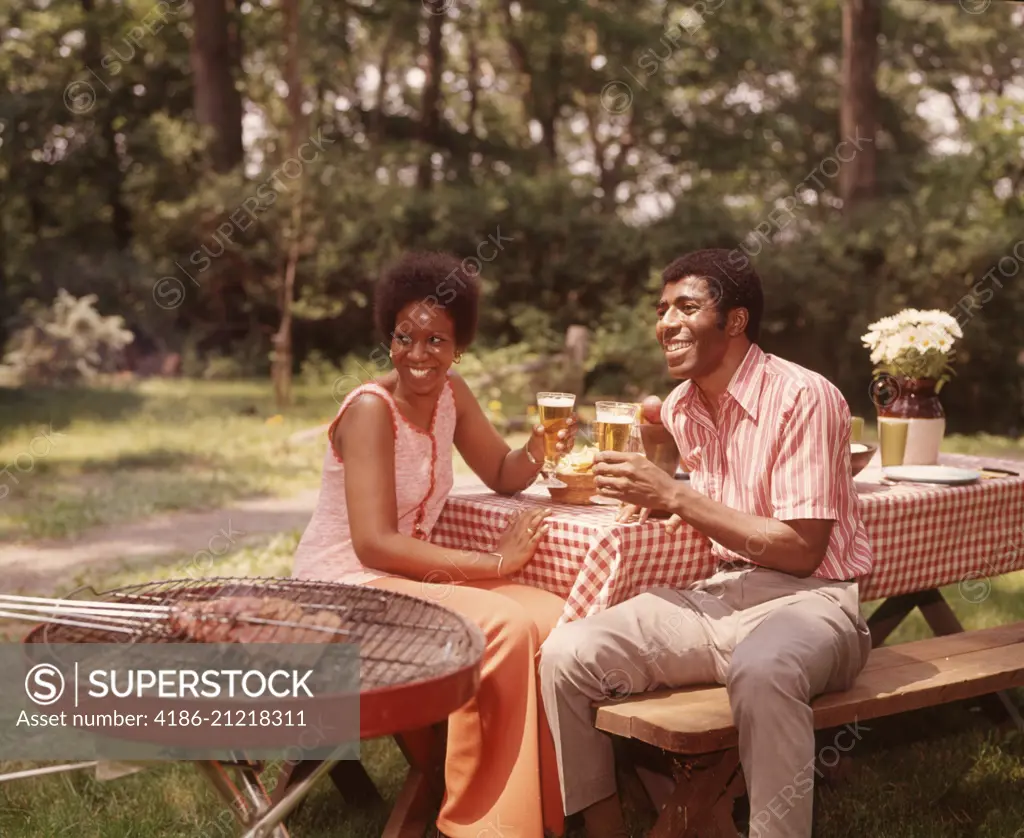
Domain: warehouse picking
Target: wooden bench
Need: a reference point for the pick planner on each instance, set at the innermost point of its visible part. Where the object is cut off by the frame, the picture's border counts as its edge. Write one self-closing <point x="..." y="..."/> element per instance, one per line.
<point x="697" y="723"/>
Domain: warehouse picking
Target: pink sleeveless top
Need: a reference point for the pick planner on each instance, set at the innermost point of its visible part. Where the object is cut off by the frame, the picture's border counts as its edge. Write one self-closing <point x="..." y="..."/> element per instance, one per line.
<point x="423" y="479"/>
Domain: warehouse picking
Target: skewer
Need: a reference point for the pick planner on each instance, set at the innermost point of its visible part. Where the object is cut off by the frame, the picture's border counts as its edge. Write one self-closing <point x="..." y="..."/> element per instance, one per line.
<point x="159" y="600"/>
<point x="112" y="614"/>
<point x="242" y="618"/>
<point x="34" y="618"/>
<point x="78" y="604"/>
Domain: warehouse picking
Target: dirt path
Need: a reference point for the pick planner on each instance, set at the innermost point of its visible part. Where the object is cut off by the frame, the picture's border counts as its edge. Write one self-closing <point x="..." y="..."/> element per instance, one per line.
<point x="51" y="565"/>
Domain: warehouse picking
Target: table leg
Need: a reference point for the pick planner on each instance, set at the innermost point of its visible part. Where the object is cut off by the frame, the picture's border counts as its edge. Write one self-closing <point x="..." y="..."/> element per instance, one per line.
<point x="942" y="620"/>
<point x="696" y="808"/>
<point x="891" y="613"/>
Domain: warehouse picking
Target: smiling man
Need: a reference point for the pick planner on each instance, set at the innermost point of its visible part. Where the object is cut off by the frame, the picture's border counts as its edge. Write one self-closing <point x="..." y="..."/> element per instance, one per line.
<point x="767" y="446"/>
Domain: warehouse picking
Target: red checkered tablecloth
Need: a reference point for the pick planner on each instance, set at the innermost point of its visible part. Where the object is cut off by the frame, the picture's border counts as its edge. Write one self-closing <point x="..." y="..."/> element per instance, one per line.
<point x="924" y="536"/>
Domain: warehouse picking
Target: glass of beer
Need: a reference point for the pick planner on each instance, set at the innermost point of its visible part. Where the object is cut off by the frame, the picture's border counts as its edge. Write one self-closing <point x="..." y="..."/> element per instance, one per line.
<point x="857" y="429"/>
<point x="555" y="410"/>
<point x="892" y="440"/>
<point x="614" y="423"/>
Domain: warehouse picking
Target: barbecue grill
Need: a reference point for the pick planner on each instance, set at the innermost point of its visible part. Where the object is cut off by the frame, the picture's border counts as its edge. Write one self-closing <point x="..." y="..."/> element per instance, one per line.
<point x="419" y="661"/>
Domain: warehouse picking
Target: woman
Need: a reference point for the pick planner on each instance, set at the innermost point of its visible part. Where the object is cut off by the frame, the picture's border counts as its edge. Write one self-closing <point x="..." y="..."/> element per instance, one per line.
<point x="387" y="473"/>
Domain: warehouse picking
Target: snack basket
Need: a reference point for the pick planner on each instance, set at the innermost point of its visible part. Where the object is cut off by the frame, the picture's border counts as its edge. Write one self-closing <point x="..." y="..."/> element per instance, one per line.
<point x="579" y="488"/>
<point x="575" y="471"/>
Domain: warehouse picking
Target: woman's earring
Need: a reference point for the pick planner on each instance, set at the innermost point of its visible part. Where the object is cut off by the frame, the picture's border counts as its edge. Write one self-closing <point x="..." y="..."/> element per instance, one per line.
<point x="458" y="357"/>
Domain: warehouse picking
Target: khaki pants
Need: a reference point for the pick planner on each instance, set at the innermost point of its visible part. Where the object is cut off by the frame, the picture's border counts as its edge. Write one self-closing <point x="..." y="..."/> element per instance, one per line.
<point x="773" y="639"/>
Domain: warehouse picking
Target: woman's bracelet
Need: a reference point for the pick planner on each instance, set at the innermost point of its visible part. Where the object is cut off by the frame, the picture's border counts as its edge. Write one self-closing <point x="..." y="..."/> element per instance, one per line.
<point x="533" y="460"/>
<point x="501" y="559"/>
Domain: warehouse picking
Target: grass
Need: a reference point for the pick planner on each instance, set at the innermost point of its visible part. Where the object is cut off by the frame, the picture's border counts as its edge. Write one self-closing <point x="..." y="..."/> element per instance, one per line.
<point x="121" y="455"/>
<point x="944" y="773"/>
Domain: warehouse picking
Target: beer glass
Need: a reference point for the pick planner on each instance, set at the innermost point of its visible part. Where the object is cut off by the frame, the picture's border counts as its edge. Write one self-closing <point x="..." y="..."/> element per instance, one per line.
<point x="892" y="440"/>
<point x="614" y="423"/>
<point x="857" y="429"/>
<point x="554" y="410"/>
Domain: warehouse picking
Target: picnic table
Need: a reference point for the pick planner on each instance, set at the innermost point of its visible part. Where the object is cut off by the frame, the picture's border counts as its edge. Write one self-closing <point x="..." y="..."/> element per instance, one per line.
<point x="923" y="537"/>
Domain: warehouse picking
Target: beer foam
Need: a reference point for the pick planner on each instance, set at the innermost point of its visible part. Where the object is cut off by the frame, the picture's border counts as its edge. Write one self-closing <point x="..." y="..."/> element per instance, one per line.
<point x="556" y="401"/>
<point x="614" y="419"/>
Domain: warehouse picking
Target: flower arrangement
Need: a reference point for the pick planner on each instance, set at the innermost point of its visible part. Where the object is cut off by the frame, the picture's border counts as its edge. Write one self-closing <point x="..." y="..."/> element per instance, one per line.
<point x="914" y="344"/>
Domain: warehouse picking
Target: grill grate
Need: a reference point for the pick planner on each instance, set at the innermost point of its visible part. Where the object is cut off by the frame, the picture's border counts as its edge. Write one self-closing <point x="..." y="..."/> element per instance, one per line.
<point x="401" y="639"/>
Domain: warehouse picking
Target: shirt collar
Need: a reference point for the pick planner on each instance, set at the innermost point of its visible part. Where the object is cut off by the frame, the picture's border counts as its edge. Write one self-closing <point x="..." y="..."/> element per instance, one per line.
<point x="744" y="386"/>
<point x="748" y="380"/>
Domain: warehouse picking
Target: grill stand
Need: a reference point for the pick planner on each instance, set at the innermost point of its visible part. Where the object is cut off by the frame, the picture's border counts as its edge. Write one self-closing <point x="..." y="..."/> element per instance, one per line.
<point x="251" y="808"/>
<point x="349" y="778"/>
<point x="418" y="800"/>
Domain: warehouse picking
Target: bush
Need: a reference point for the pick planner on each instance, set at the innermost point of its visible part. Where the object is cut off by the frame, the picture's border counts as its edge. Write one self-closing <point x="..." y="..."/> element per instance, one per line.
<point x="67" y="343"/>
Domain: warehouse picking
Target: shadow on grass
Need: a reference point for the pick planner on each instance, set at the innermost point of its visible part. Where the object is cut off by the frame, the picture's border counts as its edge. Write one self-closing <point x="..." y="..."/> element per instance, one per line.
<point x="34" y="406"/>
<point x="943" y="772"/>
<point x="152" y="459"/>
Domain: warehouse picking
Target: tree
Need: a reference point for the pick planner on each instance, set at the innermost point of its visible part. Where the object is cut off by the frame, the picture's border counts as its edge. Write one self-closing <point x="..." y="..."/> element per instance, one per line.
<point x="216" y="58"/>
<point x="858" y="109"/>
<point x="281" y="372"/>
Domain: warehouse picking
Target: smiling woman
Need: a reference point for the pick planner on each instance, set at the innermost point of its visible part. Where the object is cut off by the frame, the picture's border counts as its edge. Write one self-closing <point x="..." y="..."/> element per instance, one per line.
<point x="386" y="475"/>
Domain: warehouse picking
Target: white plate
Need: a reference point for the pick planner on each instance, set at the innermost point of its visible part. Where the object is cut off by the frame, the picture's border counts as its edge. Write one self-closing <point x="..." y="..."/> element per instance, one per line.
<point x="931" y="474"/>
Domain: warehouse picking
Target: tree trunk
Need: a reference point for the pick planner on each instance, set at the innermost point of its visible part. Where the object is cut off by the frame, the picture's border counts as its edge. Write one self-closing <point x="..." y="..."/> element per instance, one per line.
<point x="281" y="370"/>
<point x="548" y="105"/>
<point x="476" y="27"/>
<point x="113" y="177"/>
<point x="215" y="52"/>
<point x="430" y="119"/>
<point x="859" y="107"/>
<point x="5" y="305"/>
<point x="383" y="68"/>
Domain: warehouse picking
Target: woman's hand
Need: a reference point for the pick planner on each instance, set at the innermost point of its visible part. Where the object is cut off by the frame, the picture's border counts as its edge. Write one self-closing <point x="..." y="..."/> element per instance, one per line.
<point x="520" y="539"/>
<point x="626" y="512"/>
<point x="566" y="439"/>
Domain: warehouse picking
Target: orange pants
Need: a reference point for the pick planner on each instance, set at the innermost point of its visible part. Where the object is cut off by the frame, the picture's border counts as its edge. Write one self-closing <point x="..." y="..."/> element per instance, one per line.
<point x="501" y="777"/>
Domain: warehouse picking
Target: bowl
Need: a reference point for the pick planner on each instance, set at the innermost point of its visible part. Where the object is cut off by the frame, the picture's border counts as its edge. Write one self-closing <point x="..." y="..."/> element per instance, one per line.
<point x="660" y="447"/>
<point x="860" y="455"/>
<point x="579" y="488"/>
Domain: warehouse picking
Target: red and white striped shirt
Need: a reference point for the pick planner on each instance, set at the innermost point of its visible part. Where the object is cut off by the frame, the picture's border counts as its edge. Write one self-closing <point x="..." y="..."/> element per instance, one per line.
<point x="780" y="450"/>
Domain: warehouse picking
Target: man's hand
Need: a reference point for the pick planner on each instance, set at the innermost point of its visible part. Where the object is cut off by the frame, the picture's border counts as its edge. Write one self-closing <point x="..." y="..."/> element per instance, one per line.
<point x="633" y="479"/>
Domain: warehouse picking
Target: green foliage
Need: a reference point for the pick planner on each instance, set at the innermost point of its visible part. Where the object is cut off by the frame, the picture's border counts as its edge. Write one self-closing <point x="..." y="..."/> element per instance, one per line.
<point x="66" y="343"/>
<point x="625" y="358"/>
<point x="726" y="122"/>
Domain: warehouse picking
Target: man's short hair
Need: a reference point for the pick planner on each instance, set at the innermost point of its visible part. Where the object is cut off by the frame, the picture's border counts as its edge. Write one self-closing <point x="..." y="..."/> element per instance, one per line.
<point x="439" y="281"/>
<point x="732" y="283"/>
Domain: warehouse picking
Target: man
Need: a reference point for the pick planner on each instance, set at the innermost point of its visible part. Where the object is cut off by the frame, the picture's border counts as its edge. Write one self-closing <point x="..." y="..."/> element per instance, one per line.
<point x="767" y="446"/>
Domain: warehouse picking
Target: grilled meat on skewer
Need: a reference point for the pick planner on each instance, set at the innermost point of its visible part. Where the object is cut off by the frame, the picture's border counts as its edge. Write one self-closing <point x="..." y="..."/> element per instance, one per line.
<point x="239" y="620"/>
